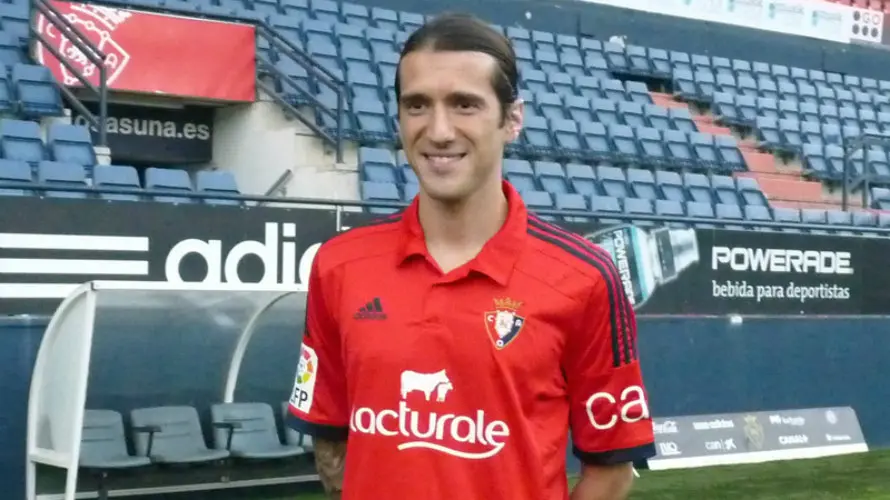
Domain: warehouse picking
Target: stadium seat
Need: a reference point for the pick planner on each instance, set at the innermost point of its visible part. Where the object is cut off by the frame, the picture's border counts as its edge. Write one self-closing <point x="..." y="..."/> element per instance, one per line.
<point x="103" y="447"/>
<point x="15" y="173"/>
<point x="165" y="183"/>
<point x="111" y="177"/>
<point x="59" y="174"/>
<point x="71" y="144"/>
<point x="35" y="90"/>
<point x="248" y="431"/>
<point x="171" y="435"/>
<point x="20" y="140"/>
<point x="217" y="181"/>
<point x="380" y="191"/>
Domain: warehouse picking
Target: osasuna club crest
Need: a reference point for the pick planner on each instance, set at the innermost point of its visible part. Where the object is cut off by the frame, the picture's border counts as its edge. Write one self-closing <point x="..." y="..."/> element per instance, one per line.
<point x="504" y="324"/>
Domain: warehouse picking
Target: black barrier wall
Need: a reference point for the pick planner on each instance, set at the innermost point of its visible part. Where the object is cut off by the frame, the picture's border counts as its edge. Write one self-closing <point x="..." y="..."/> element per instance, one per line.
<point x="691" y="366"/>
<point x="669" y="271"/>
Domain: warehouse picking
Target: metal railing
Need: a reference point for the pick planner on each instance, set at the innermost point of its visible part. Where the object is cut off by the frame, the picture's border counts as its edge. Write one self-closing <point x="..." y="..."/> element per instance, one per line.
<point x="358" y="205"/>
<point x="851" y="146"/>
<point x="318" y="74"/>
<point x="88" y="49"/>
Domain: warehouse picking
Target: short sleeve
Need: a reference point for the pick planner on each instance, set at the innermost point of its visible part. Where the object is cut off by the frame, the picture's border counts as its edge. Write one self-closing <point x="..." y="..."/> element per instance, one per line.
<point x="610" y="419"/>
<point x="318" y="400"/>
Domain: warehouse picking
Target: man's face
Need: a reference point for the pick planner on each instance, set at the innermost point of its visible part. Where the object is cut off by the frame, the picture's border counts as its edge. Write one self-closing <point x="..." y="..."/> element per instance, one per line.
<point x="450" y="120"/>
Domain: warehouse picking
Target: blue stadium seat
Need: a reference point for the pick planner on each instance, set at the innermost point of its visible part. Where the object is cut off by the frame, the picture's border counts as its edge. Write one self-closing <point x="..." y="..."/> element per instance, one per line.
<point x="520" y="174"/>
<point x="574" y="202"/>
<point x="670" y="208"/>
<point x="373" y="122"/>
<point x="637" y="206"/>
<point x="377" y="164"/>
<point x="652" y="150"/>
<point x="758" y="213"/>
<point x="562" y="84"/>
<point x="70" y="143"/>
<point x="53" y="173"/>
<point x="566" y="138"/>
<point x="613" y="181"/>
<point x="536" y="200"/>
<point x="671" y="186"/>
<point x="681" y="119"/>
<point x="679" y="150"/>
<point x="699" y="188"/>
<point x="729" y="213"/>
<point x="657" y="117"/>
<point x="583" y="180"/>
<point x="705" y="151"/>
<point x="725" y="189"/>
<point x="111" y="177"/>
<point x="728" y="149"/>
<point x="536" y="139"/>
<point x="700" y="210"/>
<point x="632" y="114"/>
<point x="750" y="191"/>
<point x="788" y="216"/>
<point x="551" y="177"/>
<point x="384" y="19"/>
<point x="165" y="183"/>
<point x="6" y="99"/>
<point x="11" y="52"/>
<point x="217" y="181"/>
<point x="642" y="184"/>
<point x="603" y="205"/>
<point x="20" y="140"/>
<point x="16" y="173"/>
<point x="624" y="143"/>
<point x="380" y="191"/>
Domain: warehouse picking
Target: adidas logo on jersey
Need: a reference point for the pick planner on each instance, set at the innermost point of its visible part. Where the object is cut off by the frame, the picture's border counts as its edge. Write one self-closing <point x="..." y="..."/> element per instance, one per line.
<point x="373" y="310"/>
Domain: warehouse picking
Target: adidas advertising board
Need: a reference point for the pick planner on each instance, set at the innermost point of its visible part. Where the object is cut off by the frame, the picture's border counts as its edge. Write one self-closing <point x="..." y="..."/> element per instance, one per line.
<point x="78" y="241"/>
<point x="703" y="440"/>
<point x="665" y="270"/>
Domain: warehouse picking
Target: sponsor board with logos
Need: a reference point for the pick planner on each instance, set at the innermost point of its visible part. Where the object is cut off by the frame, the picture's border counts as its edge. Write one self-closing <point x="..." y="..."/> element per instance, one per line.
<point x="703" y="440"/>
<point x="704" y="271"/>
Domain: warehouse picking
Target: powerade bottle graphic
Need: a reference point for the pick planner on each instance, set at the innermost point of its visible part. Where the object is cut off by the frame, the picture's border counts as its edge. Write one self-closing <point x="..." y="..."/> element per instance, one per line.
<point x="647" y="260"/>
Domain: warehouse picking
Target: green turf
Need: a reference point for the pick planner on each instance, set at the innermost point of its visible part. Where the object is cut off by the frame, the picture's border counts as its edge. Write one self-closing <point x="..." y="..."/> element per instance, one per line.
<point x="863" y="476"/>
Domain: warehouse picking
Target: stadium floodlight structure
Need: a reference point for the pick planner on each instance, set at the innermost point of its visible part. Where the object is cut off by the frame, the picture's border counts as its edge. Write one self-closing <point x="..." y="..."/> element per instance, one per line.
<point x="868" y="137"/>
<point x="127" y="345"/>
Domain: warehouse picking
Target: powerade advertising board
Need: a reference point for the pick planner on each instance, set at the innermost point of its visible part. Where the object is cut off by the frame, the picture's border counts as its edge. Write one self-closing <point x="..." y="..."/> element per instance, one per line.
<point x="666" y="271"/>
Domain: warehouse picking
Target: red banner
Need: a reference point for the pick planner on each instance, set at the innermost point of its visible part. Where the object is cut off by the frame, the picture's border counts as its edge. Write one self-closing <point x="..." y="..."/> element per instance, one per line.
<point x="155" y="53"/>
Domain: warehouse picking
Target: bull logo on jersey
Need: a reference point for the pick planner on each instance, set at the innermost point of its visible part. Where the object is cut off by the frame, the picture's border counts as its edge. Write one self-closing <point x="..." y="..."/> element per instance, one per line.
<point x="427" y="383"/>
<point x="504" y="324"/>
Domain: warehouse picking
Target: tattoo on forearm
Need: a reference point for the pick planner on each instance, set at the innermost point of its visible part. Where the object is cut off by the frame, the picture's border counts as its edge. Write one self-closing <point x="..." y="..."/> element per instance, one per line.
<point x="330" y="457"/>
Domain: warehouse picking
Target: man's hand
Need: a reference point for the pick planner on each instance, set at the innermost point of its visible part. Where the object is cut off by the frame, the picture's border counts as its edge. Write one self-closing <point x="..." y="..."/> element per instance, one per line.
<point x="330" y="457"/>
<point x="604" y="482"/>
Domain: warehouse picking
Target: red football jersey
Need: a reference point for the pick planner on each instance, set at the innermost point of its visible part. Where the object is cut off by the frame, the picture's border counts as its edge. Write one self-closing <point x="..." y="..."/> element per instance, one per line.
<point x="467" y="384"/>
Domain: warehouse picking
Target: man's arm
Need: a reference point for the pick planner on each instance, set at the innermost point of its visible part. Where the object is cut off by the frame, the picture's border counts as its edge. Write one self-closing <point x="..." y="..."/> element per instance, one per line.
<point x="330" y="456"/>
<point x="604" y="482"/>
<point x="610" y="422"/>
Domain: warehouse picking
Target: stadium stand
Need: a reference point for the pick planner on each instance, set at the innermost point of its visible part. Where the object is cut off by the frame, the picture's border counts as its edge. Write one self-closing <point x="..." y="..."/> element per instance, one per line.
<point x="586" y="103"/>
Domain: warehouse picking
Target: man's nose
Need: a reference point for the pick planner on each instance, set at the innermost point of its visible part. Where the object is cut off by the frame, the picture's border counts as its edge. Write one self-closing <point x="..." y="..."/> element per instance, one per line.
<point x="440" y="129"/>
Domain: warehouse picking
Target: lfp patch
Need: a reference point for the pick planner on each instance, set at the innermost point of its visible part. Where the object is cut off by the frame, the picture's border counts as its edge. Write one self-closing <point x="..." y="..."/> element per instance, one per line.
<point x="304" y="384"/>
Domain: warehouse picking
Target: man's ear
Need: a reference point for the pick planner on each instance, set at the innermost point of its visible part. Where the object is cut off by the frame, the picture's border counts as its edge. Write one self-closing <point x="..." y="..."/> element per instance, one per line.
<point x="515" y="114"/>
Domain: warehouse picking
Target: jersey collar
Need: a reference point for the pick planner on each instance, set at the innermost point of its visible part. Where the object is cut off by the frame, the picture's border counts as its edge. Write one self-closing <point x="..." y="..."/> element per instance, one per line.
<point x="499" y="255"/>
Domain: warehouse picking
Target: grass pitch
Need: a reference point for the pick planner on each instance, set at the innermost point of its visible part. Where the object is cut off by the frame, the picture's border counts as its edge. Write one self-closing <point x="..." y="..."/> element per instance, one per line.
<point x="864" y="476"/>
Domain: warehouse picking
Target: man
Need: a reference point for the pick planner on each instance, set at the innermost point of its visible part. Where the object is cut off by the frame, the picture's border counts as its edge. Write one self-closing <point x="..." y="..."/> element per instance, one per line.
<point x="449" y="349"/>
